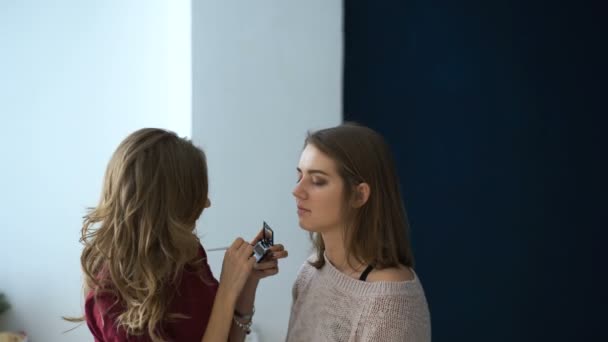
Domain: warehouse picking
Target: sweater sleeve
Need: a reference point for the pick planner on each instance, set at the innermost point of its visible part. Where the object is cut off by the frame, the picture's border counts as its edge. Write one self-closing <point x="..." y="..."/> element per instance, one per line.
<point x="396" y="318"/>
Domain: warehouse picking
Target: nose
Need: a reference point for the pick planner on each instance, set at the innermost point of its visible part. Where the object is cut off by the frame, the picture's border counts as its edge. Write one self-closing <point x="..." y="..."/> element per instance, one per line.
<point x="208" y="203"/>
<point x="298" y="192"/>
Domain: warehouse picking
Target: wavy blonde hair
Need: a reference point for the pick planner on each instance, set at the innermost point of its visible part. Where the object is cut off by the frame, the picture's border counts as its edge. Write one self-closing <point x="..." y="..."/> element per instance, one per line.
<point x="141" y="235"/>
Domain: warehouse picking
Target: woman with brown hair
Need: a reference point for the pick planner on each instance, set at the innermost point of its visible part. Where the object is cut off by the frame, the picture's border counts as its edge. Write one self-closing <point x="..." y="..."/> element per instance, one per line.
<point x="360" y="284"/>
<point x="146" y="273"/>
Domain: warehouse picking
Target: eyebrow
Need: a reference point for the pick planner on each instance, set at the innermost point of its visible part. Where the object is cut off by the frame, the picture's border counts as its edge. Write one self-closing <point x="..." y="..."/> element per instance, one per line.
<point x="313" y="171"/>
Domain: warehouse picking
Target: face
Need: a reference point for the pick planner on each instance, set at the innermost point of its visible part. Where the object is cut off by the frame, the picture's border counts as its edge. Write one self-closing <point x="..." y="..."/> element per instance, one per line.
<point x="318" y="192"/>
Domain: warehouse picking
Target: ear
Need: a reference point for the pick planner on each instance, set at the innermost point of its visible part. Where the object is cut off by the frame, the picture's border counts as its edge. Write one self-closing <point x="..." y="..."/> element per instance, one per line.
<point x="361" y="195"/>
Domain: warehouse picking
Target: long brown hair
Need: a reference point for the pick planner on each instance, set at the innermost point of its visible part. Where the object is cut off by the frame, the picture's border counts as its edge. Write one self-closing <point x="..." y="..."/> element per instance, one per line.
<point x="378" y="232"/>
<point x="141" y="234"/>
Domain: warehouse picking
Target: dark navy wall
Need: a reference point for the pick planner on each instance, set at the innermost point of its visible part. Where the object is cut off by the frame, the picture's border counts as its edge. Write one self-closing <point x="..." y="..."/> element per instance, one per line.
<point x="495" y="113"/>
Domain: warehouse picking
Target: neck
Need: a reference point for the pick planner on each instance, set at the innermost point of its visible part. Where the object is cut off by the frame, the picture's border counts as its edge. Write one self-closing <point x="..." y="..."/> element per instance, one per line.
<point x="335" y="251"/>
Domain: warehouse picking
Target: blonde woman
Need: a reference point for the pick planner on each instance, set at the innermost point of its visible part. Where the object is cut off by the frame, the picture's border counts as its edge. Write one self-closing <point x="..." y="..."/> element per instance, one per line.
<point x="146" y="273"/>
<point x="360" y="284"/>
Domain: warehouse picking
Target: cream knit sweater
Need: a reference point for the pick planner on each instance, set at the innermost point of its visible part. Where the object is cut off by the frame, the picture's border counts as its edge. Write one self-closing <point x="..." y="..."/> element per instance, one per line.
<point x="330" y="306"/>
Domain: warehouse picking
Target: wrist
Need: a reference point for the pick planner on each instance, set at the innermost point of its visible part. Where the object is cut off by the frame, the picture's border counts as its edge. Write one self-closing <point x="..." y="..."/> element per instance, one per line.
<point x="244" y="320"/>
<point x="248" y="294"/>
<point x="252" y="282"/>
<point x="244" y="316"/>
<point x="244" y="303"/>
<point x="226" y="297"/>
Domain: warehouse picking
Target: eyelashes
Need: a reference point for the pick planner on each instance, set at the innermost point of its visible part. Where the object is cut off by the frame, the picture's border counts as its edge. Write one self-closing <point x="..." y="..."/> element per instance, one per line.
<point x="314" y="182"/>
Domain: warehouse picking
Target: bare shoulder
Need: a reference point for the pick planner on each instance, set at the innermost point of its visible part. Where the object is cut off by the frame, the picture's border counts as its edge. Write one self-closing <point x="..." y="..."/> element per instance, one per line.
<point x="401" y="273"/>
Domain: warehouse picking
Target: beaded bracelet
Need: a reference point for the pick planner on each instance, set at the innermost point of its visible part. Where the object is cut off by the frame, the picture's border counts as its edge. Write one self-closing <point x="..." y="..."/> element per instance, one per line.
<point x="244" y="326"/>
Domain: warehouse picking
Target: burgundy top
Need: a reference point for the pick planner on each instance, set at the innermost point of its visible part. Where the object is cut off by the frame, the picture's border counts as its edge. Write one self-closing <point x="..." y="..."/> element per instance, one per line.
<point x="193" y="298"/>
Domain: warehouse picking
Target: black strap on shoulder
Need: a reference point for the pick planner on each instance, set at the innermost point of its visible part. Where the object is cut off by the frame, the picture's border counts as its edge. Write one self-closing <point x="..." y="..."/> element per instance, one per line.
<point x="366" y="272"/>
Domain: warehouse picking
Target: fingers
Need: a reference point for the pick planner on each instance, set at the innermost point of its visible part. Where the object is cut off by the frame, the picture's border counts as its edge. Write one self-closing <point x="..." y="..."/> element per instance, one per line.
<point x="258" y="237"/>
<point x="246" y="252"/>
<point x="270" y="271"/>
<point x="269" y="266"/>
<point x="251" y="262"/>
<point x="236" y="244"/>
<point x="240" y="247"/>
<point x="265" y="265"/>
<point x="278" y="252"/>
<point x="241" y="251"/>
<point x="244" y="247"/>
<point x="266" y="269"/>
<point x="246" y="256"/>
<point x="277" y="248"/>
<point x="237" y="266"/>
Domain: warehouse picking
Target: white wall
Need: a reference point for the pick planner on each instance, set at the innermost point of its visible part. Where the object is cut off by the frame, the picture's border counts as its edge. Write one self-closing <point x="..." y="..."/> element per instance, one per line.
<point x="75" y="78"/>
<point x="264" y="72"/>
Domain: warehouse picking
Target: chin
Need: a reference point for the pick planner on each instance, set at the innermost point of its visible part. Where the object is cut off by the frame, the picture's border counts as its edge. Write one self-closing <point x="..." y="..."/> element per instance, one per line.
<point x="311" y="228"/>
<point x="308" y="227"/>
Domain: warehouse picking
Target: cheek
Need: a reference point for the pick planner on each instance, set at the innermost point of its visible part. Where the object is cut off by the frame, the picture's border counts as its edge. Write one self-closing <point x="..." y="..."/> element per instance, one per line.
<point x="330" y="204"/>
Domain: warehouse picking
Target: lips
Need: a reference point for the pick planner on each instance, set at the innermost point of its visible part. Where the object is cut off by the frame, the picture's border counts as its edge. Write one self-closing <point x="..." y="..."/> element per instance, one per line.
<point x="302" y="210"/>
